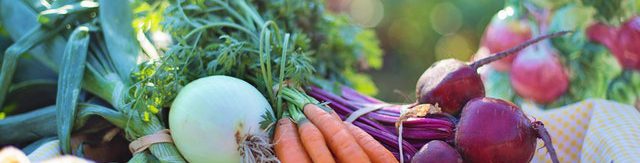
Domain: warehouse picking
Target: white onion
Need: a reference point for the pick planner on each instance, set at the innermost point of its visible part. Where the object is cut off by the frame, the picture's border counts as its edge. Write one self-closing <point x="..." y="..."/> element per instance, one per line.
<point x="212" y="115"/>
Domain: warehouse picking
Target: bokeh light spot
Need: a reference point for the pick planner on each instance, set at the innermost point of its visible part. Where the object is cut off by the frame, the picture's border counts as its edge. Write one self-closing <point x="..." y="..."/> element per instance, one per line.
<point x="406" y="34"/>
<point x="446" y="18"/>
<point x="366" y="13"/>
<point x="453" y="46"/>
<point x="506" y="12"/>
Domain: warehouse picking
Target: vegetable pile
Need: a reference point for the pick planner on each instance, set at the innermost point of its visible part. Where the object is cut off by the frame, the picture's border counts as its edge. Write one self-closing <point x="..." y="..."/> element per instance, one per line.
<point x="595" y="62"/>
<point x="511" y="137"/>
<point x="251" y="81"/>
<point x="121" y="76"/>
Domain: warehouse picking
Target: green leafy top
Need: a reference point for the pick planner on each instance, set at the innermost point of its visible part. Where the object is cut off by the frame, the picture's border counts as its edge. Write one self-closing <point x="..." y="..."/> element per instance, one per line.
<point x="268" y="44"/>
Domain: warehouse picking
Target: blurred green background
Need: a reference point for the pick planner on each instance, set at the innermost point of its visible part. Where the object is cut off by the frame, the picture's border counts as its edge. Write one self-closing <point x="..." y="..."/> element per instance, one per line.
<point x="415" y="33"/>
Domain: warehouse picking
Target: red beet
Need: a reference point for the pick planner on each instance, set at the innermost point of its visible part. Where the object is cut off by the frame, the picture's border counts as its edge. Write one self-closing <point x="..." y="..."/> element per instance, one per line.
<point x="493" y="130"/>
<point x="437" y="151"/>
<point x="451" y="83"/>
<point x="628" y="51"/>
<point x="602" y="34"/>
<point x="623" y="41"/>
<point x="537" y="74"/>
<point x="504" y="33"/>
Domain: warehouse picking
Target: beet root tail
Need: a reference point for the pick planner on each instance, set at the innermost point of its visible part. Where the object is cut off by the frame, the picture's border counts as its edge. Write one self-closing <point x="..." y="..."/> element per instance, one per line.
<point x="538" y="126"/>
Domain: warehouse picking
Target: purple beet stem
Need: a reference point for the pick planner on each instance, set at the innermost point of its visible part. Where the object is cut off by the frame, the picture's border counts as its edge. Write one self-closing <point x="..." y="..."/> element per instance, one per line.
<point x="381" y="123"/>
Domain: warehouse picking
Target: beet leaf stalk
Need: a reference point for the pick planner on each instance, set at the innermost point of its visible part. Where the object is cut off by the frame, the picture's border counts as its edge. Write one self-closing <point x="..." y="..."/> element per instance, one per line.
<point x="477" y="64"/>
<point x="451" y="83"/>
<point x="380" y="123"/>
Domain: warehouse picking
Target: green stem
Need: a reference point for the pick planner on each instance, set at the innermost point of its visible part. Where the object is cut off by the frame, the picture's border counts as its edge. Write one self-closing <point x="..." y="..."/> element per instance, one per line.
<point x="220" y="24"/>
<point x="275" y="29"/>
<point x="265" y="63"/>
<point x="106" y="86"/>
<point x="295" y="97"/>
<point x="296" y="114"/>
<point x="235" y="14"/>
<point x="281" y="79"/>
<point x="165" y="152"/>
<point x="184" y="15"/>
<point x="86" y="110"/>
<point x="252" y="12"/>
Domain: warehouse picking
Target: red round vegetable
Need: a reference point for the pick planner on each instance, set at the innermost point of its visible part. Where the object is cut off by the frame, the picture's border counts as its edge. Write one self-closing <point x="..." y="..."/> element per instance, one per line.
<point x="628" y="39"/>
<point x="623" y="41"/>
<point x="537" y="74"/>
<point x="450" y="83"/>
<point x="493" y="130"/>
<point x="437" y="151"/>
<point x="504" y="33"/>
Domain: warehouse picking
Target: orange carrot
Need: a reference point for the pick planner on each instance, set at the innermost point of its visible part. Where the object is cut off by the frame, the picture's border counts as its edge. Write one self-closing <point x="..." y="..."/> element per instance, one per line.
<point x="335" y="115"/>
<point x="376" y="152"/>
<point x="288" y="146"/>
<point x="313" y="141"/>
<point x="312" y="138"/>
<point x="330" y="111"/>
<point x="340" y="141"/>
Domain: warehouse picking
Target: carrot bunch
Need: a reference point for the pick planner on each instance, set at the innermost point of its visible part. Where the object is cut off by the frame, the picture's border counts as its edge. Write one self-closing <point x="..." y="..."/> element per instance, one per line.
<point x="311" y="132"/>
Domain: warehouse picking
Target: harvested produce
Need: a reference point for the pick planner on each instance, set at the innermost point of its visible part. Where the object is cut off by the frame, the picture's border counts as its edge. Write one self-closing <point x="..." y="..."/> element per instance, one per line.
<point x="493" y="130"/>
<point x="506" y="30"/>
<point x="450" y="83"/>
<point x="376" y="151"/>
<point x="622" y="41"/>
<point x="537" y="74"/>
<point x="288" y="146"/>
<point x="311" y="137"/>
<point x="381" y="119"/>
<point x="242" y="75"/>
<point x="339" y="139"/>
<point x="589" y="67"/>
<point x="437" y="151"/>
<point x="59" y="35"/>
<point x="228" y="112"/>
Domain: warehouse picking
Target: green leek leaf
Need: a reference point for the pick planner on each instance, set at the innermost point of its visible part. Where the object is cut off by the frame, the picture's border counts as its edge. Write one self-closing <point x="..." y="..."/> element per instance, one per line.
<point x="69" y="84"/>
<point x="115" y="19"/>
<point x="52" y="17"/>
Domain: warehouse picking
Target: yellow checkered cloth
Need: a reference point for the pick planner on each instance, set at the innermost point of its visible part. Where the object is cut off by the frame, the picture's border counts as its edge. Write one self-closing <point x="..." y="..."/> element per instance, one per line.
<point x="590" y="131"/>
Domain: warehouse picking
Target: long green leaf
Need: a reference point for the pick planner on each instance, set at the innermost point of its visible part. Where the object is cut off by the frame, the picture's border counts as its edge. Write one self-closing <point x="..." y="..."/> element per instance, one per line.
<point x="116" y="20"/>
<point x="12" y="54"/>
<point x="69" y="84"/>
<point x="52" y="17"/>
<point x="40" y="123"/>
<point x="37" y="5"/>
<point x="86" y="110"/>
<point x="28" y="126"/>
<point x="19" y="21"/>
